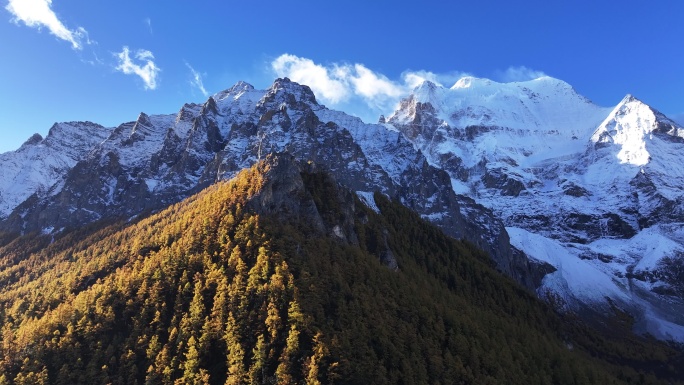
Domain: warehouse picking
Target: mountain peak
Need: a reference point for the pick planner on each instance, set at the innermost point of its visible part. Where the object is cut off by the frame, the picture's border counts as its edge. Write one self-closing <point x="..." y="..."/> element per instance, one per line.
<point x="209" y="106"/>
<point x="187" y="112"/>
<point x="425" y="85"/>
<point x="241" y="86"/>
<point x="141" y="128"/>
<point x="630" y="126"/>
<point x="470" y="82"/>
<point x="287" y="85"/>
<point x="629" y="98"/>
<point x="75" y="130"/>
<point x="34" y="139"/>
<point x="544" y="103"/>
<point x="427" y="92"/>
<point x="237" y="90"/>
<point x="143" y="119"/>
<point x="283" y="90"/>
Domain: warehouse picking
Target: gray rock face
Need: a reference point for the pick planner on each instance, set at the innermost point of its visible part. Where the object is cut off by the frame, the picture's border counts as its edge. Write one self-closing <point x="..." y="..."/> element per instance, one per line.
<point x="284" y="194"/>
<point x="506" y="183"/>
<point x="287" y="194"/>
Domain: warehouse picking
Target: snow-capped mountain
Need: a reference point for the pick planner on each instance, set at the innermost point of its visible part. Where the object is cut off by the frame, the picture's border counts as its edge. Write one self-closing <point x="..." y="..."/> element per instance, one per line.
<point x="591" y="195"/>
<point x="595" y="192"/>
<point x="40" y="163"/>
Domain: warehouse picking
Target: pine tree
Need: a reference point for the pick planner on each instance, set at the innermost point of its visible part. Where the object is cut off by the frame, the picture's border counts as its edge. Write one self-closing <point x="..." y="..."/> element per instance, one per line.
<point x="191" y="366"/>
<point x="284" y="370"/>
<point x="236" y="355"/>
<point x="314" y="369"/>
<point x="259" y="356"/>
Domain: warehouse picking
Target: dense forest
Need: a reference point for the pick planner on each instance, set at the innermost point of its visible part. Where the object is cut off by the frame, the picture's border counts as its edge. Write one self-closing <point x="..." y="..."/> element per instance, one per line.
<point x="214" y="291"/>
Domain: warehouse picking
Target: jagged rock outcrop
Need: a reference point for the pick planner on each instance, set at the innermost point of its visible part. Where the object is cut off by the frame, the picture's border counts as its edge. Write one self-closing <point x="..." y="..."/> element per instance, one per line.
<point x="284" y="194"/>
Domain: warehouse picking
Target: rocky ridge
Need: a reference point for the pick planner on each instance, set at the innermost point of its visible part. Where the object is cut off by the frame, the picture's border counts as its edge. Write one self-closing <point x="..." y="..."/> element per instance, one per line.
<point x="158" y="160"/>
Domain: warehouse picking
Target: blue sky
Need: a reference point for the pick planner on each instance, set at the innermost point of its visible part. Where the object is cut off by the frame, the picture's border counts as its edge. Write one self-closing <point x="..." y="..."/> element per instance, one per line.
<point x="106" y="61"/>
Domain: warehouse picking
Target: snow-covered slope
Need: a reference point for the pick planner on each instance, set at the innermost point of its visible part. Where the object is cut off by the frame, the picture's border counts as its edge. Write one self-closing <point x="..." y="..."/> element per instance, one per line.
<point x="596" y="192"/>
<point x="545" y="104"/>
<point x="543" y="117"/>
<point x="40" y="163"/>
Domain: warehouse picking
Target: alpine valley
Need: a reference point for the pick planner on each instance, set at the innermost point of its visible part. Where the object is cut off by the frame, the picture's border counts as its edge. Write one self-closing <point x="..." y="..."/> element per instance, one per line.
<point x="579" y="205"/>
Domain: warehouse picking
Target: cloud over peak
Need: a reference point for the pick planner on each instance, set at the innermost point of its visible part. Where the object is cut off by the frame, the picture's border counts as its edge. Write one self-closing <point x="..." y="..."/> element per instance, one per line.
<point x="148" y="71"/>
<point x="328" y="83"/>
<point x="355" y="85"/>
<point x="39" y="14"/>
<point x="362" y="90"/>
<point x="345" y="83"/>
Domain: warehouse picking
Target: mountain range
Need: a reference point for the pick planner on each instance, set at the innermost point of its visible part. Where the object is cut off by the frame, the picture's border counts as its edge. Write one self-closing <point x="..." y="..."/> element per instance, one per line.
<point x="580" y="204"/>
<point x="282" y="275"/>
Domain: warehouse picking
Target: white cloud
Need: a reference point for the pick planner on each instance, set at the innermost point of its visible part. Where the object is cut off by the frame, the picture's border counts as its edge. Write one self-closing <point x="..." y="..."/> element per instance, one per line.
<point x="415" y="78"/>
<point x="197" y="80"/>
<point x="374" y="88"/>
<point x="366" y="93"/>
<point x="326" y="83"/>
<point x="355" y="85"/>
<point x="519" y="74"/>
<point x="147" y="72"/>
<point x="341" y="83"/>
<point x="38" y="14"/>
<point x="362" y="91"/>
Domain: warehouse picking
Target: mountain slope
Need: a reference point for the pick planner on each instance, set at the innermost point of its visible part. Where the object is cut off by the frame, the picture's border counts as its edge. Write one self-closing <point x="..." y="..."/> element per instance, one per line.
<point x="594" y="192"/>
<point x="230" y="286"/>
<point x="158" y="160"/>
<point x="40" y="163"/>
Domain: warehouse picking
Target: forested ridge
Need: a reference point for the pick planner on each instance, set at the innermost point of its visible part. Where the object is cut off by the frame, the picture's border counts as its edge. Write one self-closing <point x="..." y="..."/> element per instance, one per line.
<point x="210" y="291"/>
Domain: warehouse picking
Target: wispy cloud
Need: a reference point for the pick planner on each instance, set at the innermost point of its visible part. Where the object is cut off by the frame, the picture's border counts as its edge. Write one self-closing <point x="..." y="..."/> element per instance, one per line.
<point x="95" y="60"/>
<point x="519" y="74"/>
<point x="415" y="78"/>
<point x="39" y="14"/>
<point x="197" y="80"/>
<point x="148" y="71"/>
<point x="148" y="23"/>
